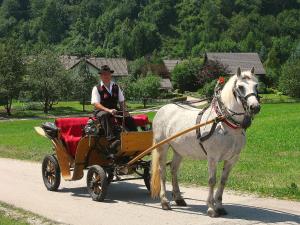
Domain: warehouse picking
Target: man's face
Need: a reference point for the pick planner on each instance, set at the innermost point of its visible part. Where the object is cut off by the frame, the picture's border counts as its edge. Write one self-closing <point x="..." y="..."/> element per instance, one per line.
<point x="105" y="76"/>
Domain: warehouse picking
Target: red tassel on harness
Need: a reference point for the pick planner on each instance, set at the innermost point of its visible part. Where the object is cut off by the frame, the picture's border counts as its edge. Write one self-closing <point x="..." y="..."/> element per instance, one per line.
<point x="221" y="80"/>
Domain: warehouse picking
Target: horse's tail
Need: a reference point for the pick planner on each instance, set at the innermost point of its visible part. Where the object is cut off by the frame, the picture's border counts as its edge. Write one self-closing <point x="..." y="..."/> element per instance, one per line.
<point x="155" y="174"/>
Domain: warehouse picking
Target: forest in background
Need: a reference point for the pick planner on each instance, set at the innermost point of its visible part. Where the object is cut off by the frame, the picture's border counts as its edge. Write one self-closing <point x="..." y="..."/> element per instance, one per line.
<point x="166" y="28"/>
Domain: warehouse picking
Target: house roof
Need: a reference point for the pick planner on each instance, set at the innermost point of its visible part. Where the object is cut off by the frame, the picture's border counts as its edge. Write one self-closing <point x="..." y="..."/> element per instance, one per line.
<point x="171" y="63"/>
<point x="119" y="65"/>
<point x="69" y="61"/>
<point x="166" y="84"/>
<point x="234" y="60"/>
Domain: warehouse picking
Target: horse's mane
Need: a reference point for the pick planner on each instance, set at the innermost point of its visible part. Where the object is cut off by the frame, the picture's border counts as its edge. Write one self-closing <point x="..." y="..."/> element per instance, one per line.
<point x="227" y="94"/>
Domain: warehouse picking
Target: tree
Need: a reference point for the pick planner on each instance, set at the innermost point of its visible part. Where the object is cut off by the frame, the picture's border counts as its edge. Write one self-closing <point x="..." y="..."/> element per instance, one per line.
<point x="147" y="87"/>
<point x="54" y="21"/>
<point x="83" y="83"/>
<point x="184" y="75"/>
<point x="211" y="70"/>
<point x="289" y="82"/>
<point x="160" y="13"/>
<point x="12" y="70"/>
<point x="137" y="67"/>
<point x="213" y="21"/>
<point x="47" y="79"/>
<point x="145" y="38"/>
<point x="143" y="89"/>
<point x="19" y="9"/>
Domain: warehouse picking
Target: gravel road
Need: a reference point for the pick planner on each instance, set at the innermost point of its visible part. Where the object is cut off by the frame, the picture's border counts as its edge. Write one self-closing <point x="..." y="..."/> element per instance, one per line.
<point x="128" y="203"/>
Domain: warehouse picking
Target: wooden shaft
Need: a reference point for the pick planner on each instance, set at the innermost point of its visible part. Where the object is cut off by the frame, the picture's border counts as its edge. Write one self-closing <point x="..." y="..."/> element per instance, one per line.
<point x="220" y="118"/>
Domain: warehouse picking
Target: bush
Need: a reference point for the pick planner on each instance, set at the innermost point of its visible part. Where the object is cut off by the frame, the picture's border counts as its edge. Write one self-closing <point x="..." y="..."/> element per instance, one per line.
<point x="272" y="77"/>
<point x="144" y="88"/>
<point x="262" y="88"/>
<point x="271" y="91"/>
<point x="185" y="74"/>
<point x="169" y="95"/>
<point x="208" y="89"/>
<point x="289" y="82"/>
<point x="212" y="70"/>
<point x="137" y="67"/>
<point x="179" y="99"/>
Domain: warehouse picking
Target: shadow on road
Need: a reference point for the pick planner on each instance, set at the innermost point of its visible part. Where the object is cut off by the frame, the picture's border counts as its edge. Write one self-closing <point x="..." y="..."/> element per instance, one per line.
<point x="245" y="212"/>
<point x="137" y="194"/>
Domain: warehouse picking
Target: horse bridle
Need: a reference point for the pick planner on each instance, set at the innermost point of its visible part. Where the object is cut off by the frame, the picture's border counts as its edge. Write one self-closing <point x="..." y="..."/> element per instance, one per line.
<point x="243" y="99"/>
<point x="221" y="109"/>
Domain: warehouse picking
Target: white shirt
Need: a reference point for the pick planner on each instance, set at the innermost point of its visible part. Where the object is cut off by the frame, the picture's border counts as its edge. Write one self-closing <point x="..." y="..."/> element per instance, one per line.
<point x="96" y="97"/>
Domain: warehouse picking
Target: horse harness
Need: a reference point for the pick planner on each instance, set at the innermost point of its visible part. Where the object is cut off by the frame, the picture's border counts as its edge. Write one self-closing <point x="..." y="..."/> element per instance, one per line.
<point x="222" y="110"/>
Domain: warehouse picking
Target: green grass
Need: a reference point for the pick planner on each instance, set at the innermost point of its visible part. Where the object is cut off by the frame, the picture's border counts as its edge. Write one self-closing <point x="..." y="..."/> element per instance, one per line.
<point x="5" y="220"/>
<point x="10" y="215"/>
<point x="19" y="140"/>
<point x="35" y="109"/>
<point x="269" y="165"/>
<point x="277" y="98"/>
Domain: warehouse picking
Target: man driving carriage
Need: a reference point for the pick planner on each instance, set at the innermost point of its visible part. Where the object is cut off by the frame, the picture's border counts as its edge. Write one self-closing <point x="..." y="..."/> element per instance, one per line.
<point x="105" y="97"/>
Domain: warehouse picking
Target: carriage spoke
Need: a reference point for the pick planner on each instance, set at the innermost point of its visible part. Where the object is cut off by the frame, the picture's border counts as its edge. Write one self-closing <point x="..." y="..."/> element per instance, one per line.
<point x="50" y="179"/>
<point x="95" y="183"/>
<point x="51" y="172"/>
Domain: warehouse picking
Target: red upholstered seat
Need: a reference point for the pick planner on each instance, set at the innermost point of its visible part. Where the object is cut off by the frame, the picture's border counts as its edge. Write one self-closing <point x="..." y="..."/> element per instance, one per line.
<point x="141" y="120"/>
<point x="71" y="131"/>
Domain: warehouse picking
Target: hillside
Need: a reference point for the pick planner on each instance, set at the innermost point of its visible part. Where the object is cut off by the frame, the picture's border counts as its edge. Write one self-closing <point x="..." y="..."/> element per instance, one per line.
<point x="171" y="28"/>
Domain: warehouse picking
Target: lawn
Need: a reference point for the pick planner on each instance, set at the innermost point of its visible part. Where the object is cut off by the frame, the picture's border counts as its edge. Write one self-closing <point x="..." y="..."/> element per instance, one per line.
<point x="5" y="220"/>
<point x="35" y="109"/>
<point x="269" y="165"/>
<point x="277" y="98"/>
<point x="10" y="215"/>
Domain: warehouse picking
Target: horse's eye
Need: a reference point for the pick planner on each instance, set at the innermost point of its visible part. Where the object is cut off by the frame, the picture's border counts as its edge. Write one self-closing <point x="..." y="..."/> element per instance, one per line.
<point x="241" y="89"/>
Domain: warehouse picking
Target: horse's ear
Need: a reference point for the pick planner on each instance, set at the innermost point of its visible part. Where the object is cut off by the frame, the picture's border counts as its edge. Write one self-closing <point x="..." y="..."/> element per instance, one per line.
<point x="238" y="73"/>
<point x="252" y="71"/>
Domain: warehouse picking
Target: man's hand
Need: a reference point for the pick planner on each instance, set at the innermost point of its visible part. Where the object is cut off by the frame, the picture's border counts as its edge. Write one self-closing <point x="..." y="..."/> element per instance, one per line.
<point x="113" y="111"/>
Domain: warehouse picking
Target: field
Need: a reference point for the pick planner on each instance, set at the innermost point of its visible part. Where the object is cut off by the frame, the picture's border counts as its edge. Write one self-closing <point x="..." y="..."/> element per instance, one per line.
<point x="269" y="165"/>
<point x="10" y="215"/>
<point x="35" y="109"/>
<point x="5" y="220"/>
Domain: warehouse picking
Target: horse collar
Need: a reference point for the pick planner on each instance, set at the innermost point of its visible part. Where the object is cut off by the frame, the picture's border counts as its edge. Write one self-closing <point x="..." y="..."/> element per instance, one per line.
<point x="221" y="110"/>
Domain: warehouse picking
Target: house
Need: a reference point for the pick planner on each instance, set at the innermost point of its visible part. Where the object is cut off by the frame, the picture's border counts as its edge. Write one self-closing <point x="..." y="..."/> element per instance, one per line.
<point x="119" y="65"/>
<point x="234" y="60"/>
<point x="171" y="63"/>
<point x="166" y="85"/>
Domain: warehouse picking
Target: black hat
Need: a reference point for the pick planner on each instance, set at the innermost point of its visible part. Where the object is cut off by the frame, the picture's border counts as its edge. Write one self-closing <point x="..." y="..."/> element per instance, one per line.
<point x="105" y="68"/>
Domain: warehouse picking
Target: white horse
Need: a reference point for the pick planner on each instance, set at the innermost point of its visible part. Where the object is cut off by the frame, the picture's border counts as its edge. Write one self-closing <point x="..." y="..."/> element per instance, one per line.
<point x="238" y="101"/>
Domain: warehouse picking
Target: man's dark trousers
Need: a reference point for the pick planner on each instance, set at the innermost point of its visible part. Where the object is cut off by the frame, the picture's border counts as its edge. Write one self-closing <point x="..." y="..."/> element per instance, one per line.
<point x="105" y="121"/>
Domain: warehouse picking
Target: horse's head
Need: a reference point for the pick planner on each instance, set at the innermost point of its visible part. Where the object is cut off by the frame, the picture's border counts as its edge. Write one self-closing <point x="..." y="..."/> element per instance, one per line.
<point x="245" y="91"/>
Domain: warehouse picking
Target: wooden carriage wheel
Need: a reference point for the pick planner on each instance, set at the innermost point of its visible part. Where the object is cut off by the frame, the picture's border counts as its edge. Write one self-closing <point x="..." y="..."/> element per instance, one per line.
<point x="51" y="172"/>
<point x="147" y="178"/>
<point x="96" y="181"/>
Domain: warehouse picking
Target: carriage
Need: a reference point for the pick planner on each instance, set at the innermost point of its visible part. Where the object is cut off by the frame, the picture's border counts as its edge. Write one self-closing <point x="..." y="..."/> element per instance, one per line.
<point x="232" y="109"/>
<point x="79" y="144"/>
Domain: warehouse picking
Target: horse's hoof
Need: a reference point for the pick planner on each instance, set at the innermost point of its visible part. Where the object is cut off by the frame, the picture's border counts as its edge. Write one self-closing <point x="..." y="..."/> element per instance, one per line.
<point x="166" y="206"/>
<point x="212" y="213"/>
<point x="180" y="202"/>
<point x="222" y="211"/>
